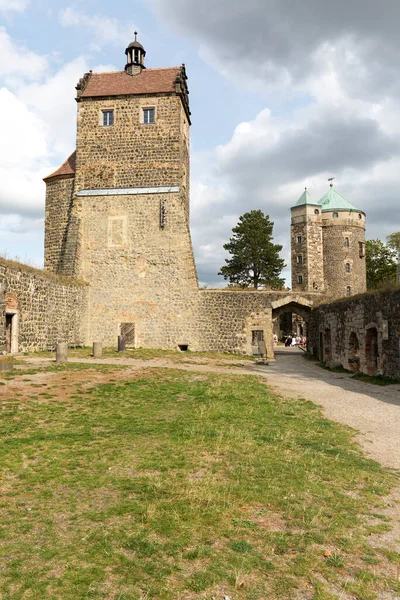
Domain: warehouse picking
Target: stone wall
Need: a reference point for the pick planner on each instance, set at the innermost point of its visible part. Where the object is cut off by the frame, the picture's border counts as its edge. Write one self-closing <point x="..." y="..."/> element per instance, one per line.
<point x="130" y="153"/>
<point x="59" y="193"/>
<point x="361" y="334"/>
<point x="337" y="254"/>
<point x="227" y="318"/>
<point x="48" y="308"/>
<point x="139" y="272"/>
<point x="308" y="225"/>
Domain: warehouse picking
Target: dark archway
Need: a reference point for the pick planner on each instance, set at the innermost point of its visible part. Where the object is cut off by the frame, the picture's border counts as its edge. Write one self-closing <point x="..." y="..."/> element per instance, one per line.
<point x="371" y="350"/>
<point x="291" y="317"/>
<point x="354" y="353"/>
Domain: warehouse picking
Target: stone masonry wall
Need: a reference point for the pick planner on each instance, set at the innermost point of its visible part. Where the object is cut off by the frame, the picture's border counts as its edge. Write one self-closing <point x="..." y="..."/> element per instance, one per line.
<point x="337" y="255"/>
<point x="130" y="153"/>
<point x="49" y="308"/>
<point x="228" y="317"/>
<point x="336" y="329"/>
<point x="139" y="272"/>
<point x="59" y="192"/>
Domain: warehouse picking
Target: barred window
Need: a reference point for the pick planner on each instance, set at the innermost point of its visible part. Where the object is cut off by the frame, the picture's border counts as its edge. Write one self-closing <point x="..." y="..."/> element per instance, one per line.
<point x="347" y="267"/>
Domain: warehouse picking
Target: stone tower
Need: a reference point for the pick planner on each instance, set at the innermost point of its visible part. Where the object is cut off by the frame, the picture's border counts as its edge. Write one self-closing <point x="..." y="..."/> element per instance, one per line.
<point x="343" y="246"/>
<point x="307" y="245"/>
<point x="117" y="211"/>
<point x="328" y="246"/>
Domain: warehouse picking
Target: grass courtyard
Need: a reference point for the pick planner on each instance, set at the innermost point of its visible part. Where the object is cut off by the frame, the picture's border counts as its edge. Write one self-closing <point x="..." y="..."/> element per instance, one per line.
<point x="173" y="485"/>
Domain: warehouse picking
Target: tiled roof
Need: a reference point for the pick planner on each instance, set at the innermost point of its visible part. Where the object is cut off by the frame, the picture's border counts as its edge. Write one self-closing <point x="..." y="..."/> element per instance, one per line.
<point x="67" y="168"/>
<point x="119" y="83"/>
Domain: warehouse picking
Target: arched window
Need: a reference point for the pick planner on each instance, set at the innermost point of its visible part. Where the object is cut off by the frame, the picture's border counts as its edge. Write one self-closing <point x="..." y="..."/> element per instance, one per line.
<point x="346" y="242"/>
<point x="316" y="211"/>
<point x="335" y="215"/>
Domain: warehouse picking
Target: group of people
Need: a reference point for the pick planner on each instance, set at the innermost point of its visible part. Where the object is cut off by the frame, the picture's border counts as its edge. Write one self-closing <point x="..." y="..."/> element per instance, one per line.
<point x="293" y="340"/>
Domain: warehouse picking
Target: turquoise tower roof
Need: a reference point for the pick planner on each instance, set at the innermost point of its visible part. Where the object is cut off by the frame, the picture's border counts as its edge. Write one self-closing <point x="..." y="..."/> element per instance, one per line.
<point x="304" y="199"/>
<point x="334" y="201"/>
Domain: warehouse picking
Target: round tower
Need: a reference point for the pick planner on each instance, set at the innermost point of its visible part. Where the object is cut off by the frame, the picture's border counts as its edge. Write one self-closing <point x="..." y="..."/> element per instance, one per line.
<point x="343" y="234"/>
<point x="306" y="245"/>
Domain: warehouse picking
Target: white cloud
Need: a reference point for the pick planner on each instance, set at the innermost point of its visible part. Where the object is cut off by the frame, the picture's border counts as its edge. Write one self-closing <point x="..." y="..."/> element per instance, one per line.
<point x="105" y="30"/>
<point x="13" y="5"/>
<point x="24" y="156"/>
<point x="17" y="60"/>
<point x="53" y="100"/>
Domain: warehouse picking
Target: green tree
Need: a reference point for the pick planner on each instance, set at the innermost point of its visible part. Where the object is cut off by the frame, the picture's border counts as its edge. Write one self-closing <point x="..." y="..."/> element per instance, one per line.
<point x="381" y="264"/>
<point x="254" y="257"/>
<point x="393" y="241"/>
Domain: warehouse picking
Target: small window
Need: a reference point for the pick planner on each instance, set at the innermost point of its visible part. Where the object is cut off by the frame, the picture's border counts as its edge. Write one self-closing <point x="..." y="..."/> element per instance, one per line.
<point x="348" y="291"/>
<point x="316" y="211"/>
<point x="299" y="240"/>
<point x="257" y="335"/>
<point x="359" y="215"/>
<point x="108" y="118"/>
<point x="347" y="267"/>
<point x="335" y="215"/>
<point x="149" y="116"/>
<point x="361" y="249"/>
<point x="346" y="242"/>
<point x="299" y="278"/>
<point x="300" y="259"/>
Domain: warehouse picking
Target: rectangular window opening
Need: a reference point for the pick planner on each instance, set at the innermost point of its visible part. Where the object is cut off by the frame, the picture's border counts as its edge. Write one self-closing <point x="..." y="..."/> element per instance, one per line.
<point x="361" y="249"/>
<point x="300" y="259"/>
<point x="299" y="240"/>
<point x="149" y="116"/>
<point x="348" y="291"/>
<point x="300" y="279"/>
<point x="108" y="118"/>
<point x="346" y="242"/>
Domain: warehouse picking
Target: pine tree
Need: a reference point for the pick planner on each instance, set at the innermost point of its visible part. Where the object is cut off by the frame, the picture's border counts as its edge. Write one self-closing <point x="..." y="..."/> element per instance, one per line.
<point x="254" y="257"/>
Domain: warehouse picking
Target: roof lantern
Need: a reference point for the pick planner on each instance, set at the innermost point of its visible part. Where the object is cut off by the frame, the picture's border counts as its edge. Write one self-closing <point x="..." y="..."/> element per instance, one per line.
<point x="135" y="54"/>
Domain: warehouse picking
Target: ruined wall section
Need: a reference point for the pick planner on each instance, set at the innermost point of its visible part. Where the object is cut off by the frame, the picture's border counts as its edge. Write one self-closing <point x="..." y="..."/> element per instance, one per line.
<point x="59" y="196"/>
<point x="337" y="254"/>
<point x="336" y="329"/>
<point x="50" y="309"/>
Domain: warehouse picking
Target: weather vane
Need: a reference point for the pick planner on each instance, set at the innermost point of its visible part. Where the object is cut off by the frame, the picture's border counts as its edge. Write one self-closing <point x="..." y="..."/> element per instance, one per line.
<point x="330" y="180"/>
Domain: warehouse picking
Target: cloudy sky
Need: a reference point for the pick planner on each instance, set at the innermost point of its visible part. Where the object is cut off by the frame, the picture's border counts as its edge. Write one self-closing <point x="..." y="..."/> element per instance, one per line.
<point x="283" y="95"/>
